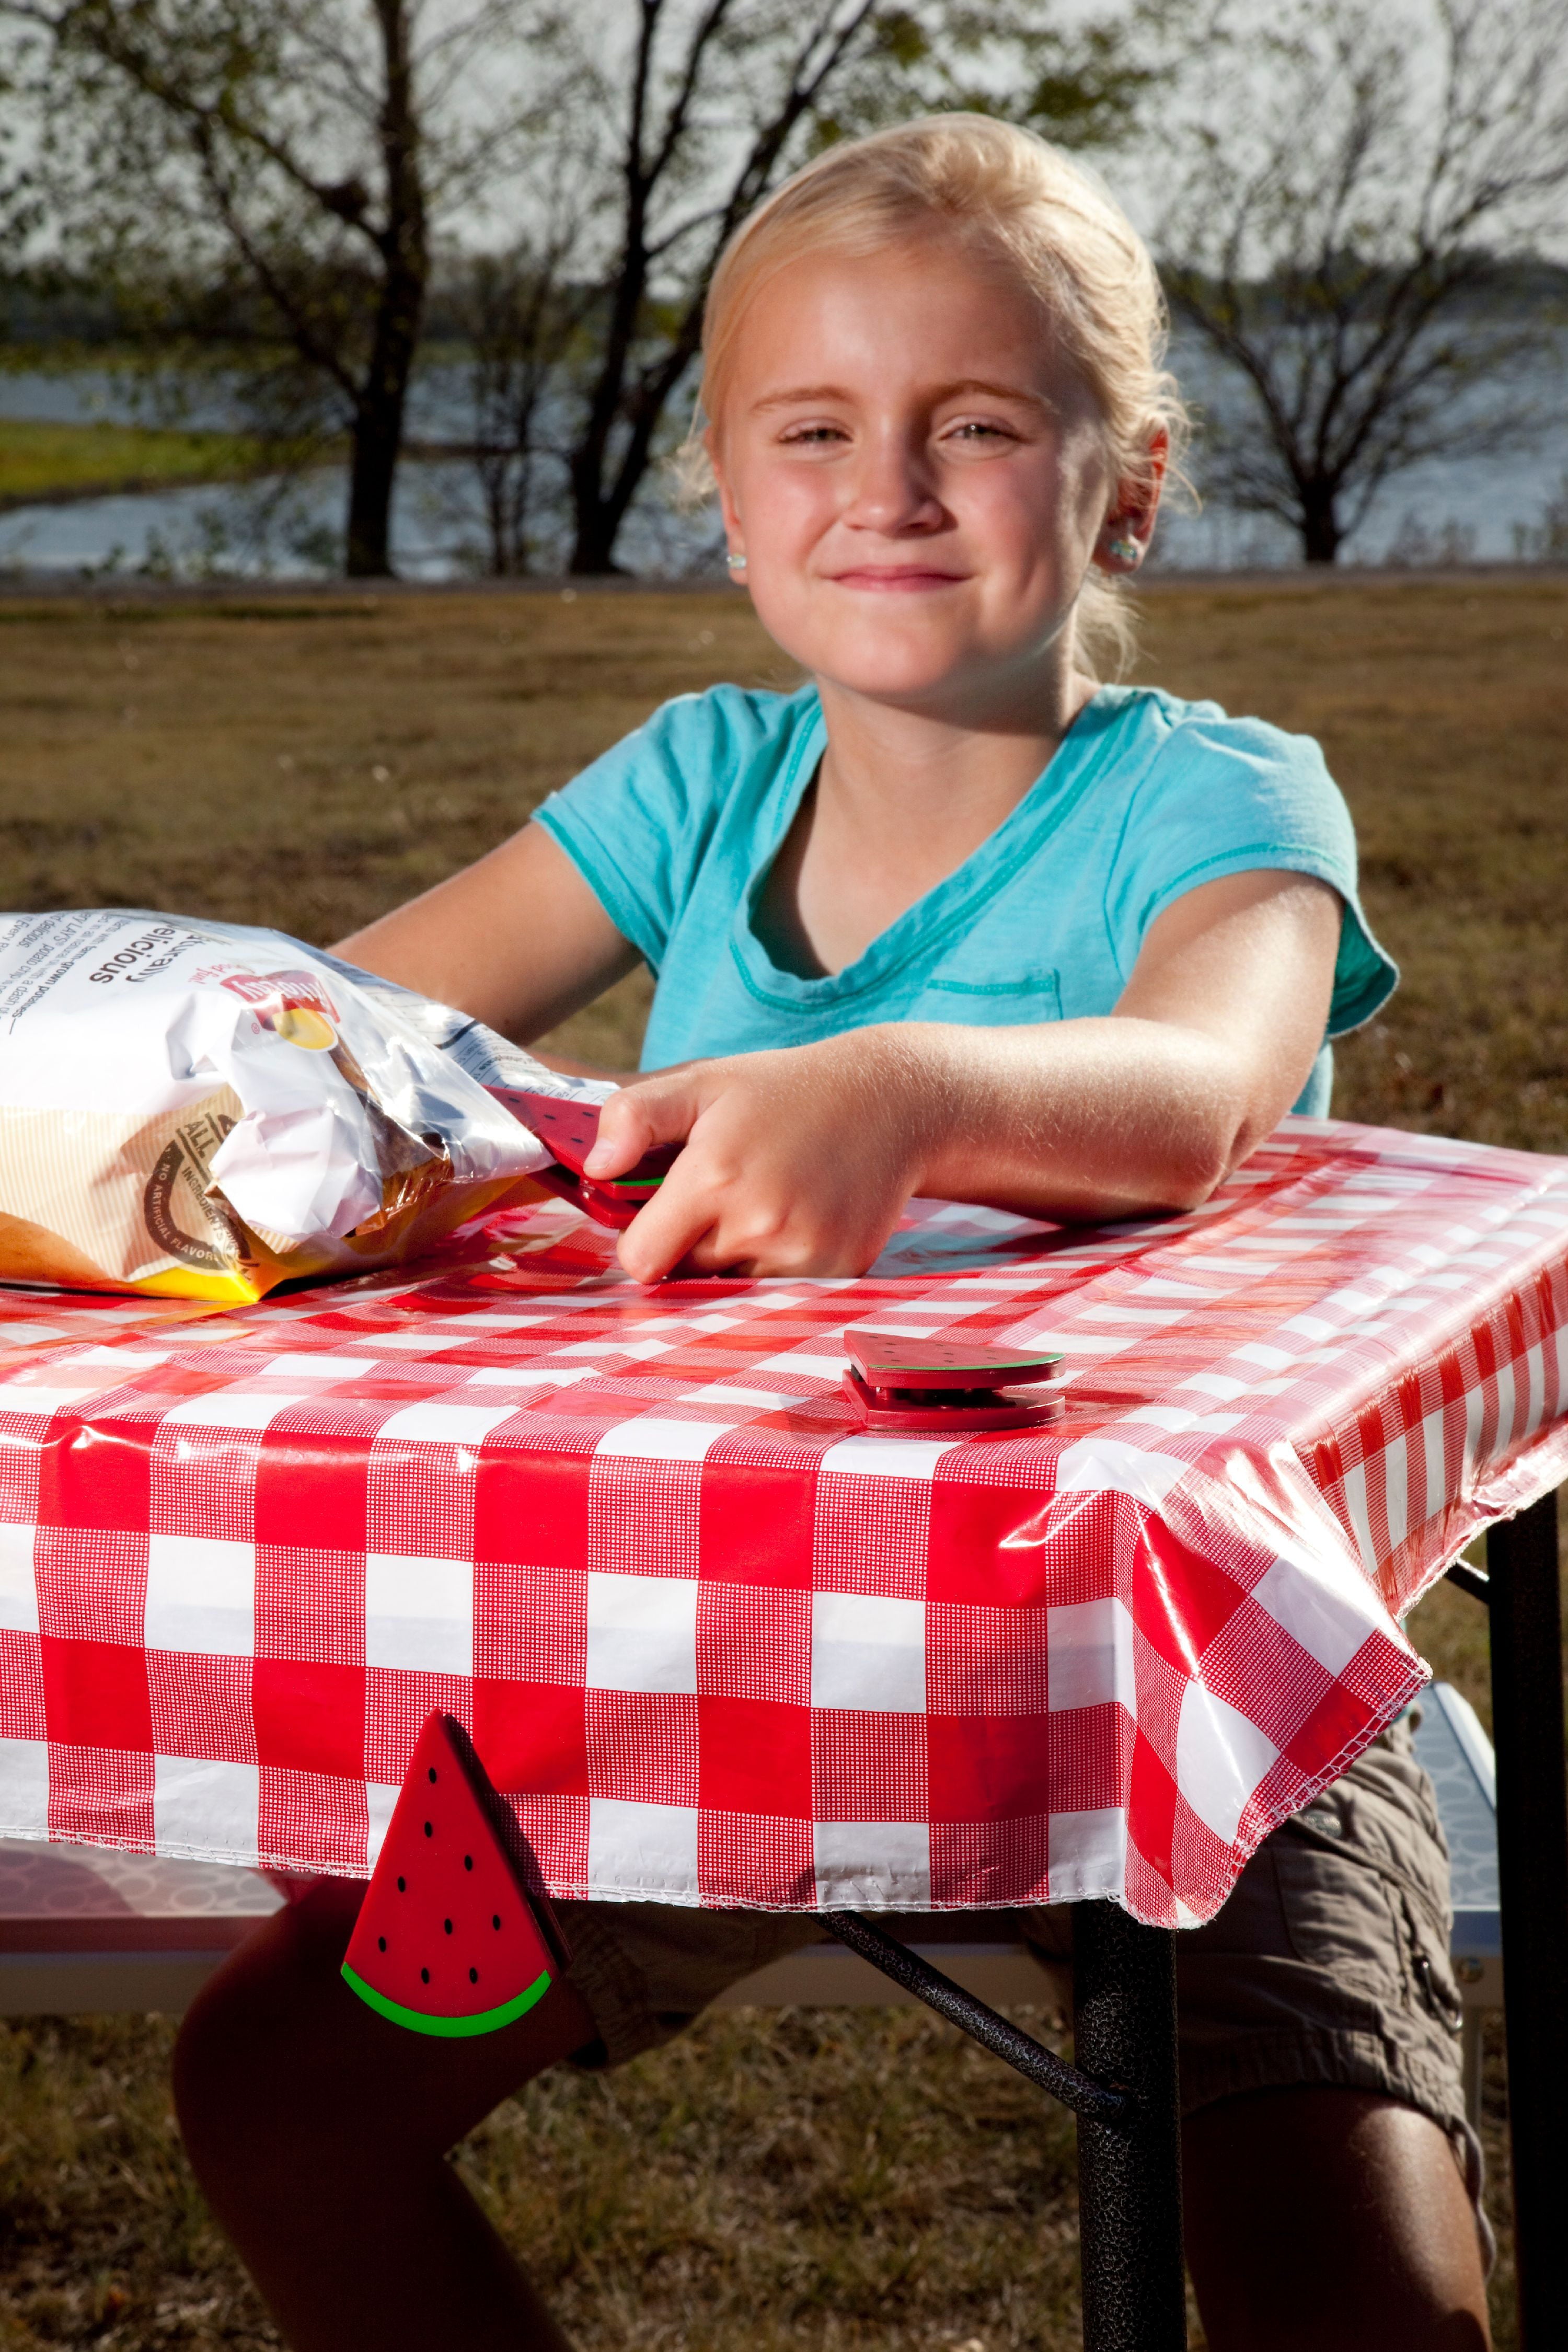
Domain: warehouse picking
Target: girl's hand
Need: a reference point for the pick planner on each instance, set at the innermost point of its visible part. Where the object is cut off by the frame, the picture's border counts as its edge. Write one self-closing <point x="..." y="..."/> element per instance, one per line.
<point x="794" y="1162"/>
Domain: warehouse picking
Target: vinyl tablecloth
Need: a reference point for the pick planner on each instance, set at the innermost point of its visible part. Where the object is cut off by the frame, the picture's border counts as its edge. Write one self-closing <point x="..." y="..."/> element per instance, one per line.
<point x="714" y="1644"/>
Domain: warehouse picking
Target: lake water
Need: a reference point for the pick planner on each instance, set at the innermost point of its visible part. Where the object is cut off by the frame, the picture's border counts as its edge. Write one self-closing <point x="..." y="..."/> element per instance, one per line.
<point x="1468" y="510"/>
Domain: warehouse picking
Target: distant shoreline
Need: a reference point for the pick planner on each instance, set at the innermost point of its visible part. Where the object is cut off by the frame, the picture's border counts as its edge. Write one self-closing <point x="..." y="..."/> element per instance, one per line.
<point x="125" y="485"/>
<point x="142" y="485"/>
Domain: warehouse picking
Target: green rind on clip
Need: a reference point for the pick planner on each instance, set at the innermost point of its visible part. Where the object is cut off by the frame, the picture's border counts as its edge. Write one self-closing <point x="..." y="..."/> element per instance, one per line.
<point x="450" y="2029"/>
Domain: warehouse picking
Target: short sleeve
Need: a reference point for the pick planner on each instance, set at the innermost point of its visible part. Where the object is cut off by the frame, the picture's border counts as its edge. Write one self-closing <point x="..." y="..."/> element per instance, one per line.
<point x="639" y="821"/>
<point x="1234" y="796"/>
<point x="626" y="822"/>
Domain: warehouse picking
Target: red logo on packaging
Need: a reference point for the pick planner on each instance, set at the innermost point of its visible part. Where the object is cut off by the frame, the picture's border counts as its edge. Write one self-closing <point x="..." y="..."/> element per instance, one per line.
<point x="289" y="990"/>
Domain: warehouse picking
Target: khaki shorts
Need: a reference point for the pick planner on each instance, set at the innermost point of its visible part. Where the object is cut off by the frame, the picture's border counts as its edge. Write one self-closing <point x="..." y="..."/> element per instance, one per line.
<point x="1328" y="1965"/>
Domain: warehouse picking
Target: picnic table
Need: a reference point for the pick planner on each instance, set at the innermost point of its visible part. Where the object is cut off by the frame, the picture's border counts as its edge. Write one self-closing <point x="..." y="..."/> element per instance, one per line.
<point x="716" y="1644"/>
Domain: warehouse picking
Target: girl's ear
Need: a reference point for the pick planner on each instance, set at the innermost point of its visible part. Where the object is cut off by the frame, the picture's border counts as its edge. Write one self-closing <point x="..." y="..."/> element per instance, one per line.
<point x="1129" y="525"/>
<point x="732" y="532"/>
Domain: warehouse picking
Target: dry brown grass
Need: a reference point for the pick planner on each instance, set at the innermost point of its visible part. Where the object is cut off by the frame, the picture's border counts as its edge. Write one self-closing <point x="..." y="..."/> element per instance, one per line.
<point x="1442" y="710"/>
<point x="310" y="761"/>
<point x="860" y="2180"/>
<point x="832" y="2179"/>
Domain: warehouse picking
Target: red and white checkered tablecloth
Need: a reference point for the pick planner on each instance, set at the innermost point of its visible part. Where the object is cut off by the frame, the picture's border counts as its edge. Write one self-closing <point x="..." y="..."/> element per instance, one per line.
<point x="714" y="1646"/>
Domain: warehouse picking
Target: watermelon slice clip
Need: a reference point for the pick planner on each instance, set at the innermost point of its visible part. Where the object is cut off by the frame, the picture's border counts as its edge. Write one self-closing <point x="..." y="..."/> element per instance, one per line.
<point x="571" y="1129"/>
<point x="449" y="1940"/>
<point x="915" y="1386"/>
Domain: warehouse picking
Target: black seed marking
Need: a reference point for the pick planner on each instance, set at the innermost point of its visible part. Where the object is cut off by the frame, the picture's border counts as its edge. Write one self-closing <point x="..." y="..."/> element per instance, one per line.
<point x="381" y="1941"/>
<point x="496" y="1921"/>
<point x="432" y="1771"/>
<point x="403" y="1886"/>
<point x="473" y="1975"/>
<point x="448" y="1925"/>
<point x="429" y="1829"/>
<point x="468" y="1861"/>
<point x="424" y="1975"/>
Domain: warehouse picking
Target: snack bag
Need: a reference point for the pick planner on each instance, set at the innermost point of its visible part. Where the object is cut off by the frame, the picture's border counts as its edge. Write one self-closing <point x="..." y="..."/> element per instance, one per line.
<point x="203" y="1110"/>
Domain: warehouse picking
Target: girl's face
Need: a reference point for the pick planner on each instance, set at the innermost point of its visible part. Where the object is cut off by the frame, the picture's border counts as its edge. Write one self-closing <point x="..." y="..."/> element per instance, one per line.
<point x="917" y="476"/>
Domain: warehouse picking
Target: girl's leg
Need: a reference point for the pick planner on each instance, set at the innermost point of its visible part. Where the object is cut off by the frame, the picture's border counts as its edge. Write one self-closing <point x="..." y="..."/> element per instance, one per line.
<point x="1330" y="2177"/>
<point x="318" y="2132"/>
<point x="1330" y="2221"/>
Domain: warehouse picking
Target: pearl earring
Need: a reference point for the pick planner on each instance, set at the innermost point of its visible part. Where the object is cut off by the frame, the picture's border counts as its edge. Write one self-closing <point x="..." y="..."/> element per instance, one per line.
<point x="736" y="563"/>
<point x="1124" y="550"/>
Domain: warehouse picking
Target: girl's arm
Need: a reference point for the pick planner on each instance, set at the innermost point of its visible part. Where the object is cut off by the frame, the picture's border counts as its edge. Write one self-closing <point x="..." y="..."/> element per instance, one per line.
<point x="518" y="940"/>
<point x="801" y="1162"/>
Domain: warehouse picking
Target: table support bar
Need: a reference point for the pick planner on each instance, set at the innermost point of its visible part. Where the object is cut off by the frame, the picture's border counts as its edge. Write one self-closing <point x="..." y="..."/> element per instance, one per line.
<point x="1130" y="2182"/>
<point x="1470" y="1581"/>
<point x="1129" y="2141"/>
<point x="1525" y="1617"/>
<point x="1111" y="2110"/>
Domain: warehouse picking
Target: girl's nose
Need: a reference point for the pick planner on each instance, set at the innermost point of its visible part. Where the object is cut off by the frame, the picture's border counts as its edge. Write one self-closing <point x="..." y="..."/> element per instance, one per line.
<point x="893" y="489"/>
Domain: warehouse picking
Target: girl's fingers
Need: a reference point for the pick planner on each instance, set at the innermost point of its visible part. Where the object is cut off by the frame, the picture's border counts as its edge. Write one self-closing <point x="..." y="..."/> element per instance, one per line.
<point x="654" y="1110"/>
<point x="674" y="1223"/>
<point x="693" y="1227"/>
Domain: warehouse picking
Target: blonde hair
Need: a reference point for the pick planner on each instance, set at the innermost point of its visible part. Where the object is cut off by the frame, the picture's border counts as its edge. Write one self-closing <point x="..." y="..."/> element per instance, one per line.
<point x="1009" y="193"/>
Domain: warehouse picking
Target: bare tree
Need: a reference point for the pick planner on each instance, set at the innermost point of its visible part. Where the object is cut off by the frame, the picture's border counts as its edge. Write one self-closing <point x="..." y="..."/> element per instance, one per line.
<point x="1355" y="169"/>
<point x="711" y="103"/>
<point x="520" y="313"/>
<point x="280" y="156"/>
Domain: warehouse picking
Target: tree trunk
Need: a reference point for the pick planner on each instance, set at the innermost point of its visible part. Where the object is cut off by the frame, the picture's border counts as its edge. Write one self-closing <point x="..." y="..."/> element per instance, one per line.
<point x="1321" y="532"/>
<point x="598" y="520"/>
<point x="598" y="526"/>
<point x="599" y="508"/>
<point x="400" y="308"/>
<point x="377" y="441"/>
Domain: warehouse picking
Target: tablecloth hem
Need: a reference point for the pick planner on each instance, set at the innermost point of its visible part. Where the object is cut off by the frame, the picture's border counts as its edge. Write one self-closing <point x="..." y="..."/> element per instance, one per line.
<point x="1528" y="1478"/>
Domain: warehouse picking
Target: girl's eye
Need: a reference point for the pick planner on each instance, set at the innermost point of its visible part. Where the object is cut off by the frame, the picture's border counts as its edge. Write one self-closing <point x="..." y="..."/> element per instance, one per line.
<point x="804" y="436"/>
<point x="979" y="428"/>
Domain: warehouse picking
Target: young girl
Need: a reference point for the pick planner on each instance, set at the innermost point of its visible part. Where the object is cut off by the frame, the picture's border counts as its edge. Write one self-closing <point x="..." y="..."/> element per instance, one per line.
<point x="953" y="920"/>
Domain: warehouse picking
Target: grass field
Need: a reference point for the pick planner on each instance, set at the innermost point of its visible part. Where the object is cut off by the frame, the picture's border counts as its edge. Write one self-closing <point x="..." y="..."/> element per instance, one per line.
<point x="860" y="2180"/>
<point x="41" y="461"/>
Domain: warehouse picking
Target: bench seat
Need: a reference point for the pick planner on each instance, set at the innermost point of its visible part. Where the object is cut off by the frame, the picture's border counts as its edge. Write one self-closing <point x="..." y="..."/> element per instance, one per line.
<point x="91" y="1929"/>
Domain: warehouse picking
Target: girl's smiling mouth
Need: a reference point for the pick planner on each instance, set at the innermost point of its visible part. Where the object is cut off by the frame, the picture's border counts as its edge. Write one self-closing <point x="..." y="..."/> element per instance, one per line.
<point x="896" y="578"/>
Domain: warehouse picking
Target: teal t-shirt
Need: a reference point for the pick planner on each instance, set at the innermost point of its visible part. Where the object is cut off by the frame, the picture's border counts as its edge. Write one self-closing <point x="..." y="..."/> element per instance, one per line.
<point x="675" y="831"/>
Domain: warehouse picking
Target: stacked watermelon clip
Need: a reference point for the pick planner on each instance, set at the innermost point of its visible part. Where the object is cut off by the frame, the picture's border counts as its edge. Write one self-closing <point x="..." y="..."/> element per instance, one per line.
<point x="946" y="1386"/>
<point x="570" y="1129"/>
<point x="449" y="1940"/>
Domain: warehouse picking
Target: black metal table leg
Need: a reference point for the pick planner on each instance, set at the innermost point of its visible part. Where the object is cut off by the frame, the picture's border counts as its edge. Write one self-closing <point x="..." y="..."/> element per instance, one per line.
<point x="1525" y="1619"/>
<point x="1125" y="2098"/>
<point x="1130" y="2181"/>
